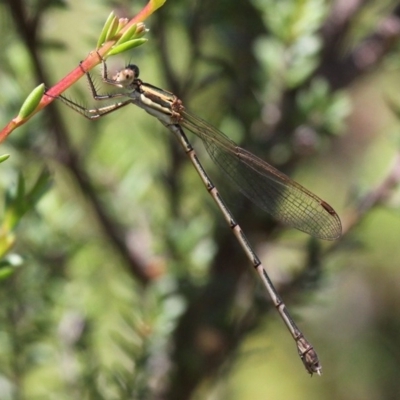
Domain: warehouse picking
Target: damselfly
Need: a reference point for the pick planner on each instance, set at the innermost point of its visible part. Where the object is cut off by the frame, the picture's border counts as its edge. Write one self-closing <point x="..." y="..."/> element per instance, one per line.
<point x="277" y="194"/>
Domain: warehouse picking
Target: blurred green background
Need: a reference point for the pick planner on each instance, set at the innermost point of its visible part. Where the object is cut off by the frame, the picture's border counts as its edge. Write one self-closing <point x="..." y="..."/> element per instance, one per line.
<point x="124" y="282"/>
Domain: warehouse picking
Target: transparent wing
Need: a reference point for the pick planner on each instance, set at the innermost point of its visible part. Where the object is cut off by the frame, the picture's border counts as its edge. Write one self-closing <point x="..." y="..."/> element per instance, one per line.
<point x="271" y="190"/>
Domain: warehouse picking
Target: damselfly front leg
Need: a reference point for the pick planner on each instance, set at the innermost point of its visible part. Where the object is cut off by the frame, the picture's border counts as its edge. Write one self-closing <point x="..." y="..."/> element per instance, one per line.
<point x="123" y="78"/>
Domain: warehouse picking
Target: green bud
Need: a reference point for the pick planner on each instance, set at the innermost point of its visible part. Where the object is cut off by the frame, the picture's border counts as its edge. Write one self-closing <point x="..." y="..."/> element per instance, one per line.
<point x="128" y="35"/>
<point x="106" y="27"/>
<point x="4" y="157"/>
<point x="31" y="102"/>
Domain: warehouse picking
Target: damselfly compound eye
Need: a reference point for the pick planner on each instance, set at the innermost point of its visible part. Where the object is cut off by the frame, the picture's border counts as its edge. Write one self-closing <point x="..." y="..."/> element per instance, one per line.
<point x="134" y="68"/>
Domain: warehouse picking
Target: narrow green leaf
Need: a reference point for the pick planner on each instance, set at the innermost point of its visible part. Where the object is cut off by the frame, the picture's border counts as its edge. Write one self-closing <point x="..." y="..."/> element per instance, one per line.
<point x="19" y="201"/>
<point x="40" y="187"/>
<point x="16" y="205"/>
<point x="31" y="102"/>
<point x="106" y="27"/>
<point x="19" y="197"/>
<point x="128" y="35"/>
<point x="127" y="46"/>
<point x="112" y="30"/>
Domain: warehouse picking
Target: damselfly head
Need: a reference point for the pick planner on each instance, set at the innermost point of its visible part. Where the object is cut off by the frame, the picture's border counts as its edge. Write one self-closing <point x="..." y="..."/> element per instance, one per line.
<point x="126" y="76"/>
